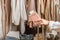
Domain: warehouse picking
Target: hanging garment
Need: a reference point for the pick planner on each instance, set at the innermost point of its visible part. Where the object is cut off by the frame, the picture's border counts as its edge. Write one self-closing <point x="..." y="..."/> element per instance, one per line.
<point x="13" y="9"/>
<point x="47" y="10"/>
<point x="38" y="7"/>
<point x="7" y="14"/>
<point x="56" y="2"/>
<point x="0" y="22"/>
<point x="52" y="9"/>
<point x="31" y="5"/>
<point x="42" y="6"/>
<point x="3" y="19"/>
<point x="5" y="11"/>
<point x="19" y="13"/>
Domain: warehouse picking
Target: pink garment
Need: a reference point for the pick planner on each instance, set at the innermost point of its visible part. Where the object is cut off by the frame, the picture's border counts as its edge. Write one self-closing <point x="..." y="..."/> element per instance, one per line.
<point x="32" y="5"/>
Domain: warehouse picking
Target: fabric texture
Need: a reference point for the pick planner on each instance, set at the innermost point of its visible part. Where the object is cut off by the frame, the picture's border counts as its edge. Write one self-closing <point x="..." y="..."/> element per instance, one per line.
<point x="10" y="38"/>
<point x="54" y="25"/>
<point x="14" y="34"/>
<point x="26" y="37"/>
<point x="19" y="13"/>
<point x="1" y="22"/>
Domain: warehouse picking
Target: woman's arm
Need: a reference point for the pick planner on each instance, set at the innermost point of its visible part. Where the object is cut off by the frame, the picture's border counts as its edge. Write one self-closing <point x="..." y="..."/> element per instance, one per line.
<point x="54" y="25"/>
<point x="51" y="24"/>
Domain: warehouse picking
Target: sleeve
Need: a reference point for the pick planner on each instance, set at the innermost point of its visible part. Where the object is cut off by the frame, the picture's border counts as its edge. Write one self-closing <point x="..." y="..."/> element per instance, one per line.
<point x="54" y="25"/>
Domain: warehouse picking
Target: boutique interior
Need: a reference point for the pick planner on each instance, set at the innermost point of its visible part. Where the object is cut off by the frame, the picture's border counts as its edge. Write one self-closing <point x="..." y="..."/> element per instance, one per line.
<point x="15" y="24"/>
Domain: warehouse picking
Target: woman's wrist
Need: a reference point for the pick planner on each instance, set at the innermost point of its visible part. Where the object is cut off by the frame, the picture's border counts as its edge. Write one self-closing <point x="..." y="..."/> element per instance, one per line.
<point x="48" y="22"/>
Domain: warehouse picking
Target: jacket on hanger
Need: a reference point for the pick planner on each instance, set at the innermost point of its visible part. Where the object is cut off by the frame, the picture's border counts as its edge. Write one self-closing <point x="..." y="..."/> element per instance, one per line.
<point x="19" y="13"/>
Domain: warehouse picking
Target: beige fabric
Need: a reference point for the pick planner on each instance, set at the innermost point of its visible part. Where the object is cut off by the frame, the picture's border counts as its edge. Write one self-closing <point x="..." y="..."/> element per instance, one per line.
<point x="1" y="22"/>
<point x="19" y="13"/>
<point x="13" y="34"/>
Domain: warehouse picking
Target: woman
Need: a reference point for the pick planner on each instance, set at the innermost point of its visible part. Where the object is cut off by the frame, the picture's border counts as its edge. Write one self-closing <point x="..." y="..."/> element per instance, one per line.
<point x="39" y="21"/>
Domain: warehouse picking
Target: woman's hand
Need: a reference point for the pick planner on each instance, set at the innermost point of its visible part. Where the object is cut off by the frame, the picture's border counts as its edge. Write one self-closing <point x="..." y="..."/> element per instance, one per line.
<point x="34" y="18"/>
<point x="44" y="22"/>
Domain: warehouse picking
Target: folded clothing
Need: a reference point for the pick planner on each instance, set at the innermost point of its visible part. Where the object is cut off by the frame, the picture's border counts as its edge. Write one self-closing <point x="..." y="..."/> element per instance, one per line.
<point x="11" y="38"/>
<point x="13" y="34"/>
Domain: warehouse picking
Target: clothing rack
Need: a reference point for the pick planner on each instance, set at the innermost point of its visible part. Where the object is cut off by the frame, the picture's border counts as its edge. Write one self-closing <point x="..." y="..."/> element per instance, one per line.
<point x="40" y="25"/>
<point x="6" y="16"/>
<point x="46" y="12"/>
